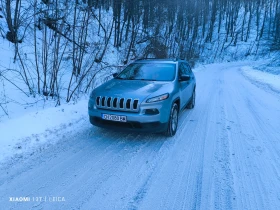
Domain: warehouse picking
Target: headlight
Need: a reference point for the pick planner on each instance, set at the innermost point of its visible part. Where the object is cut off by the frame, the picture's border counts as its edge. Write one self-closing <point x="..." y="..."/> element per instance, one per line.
<point x="158" y="98"/>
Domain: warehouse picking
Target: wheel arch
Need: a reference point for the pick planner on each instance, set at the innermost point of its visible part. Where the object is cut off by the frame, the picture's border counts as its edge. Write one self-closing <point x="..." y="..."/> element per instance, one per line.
<point x="177" y="101"/>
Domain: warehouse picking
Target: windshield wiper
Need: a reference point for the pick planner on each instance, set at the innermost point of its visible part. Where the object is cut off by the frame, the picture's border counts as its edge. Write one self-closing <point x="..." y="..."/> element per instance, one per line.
<point x="135" y="79"/>
<point x="148" y="79"/>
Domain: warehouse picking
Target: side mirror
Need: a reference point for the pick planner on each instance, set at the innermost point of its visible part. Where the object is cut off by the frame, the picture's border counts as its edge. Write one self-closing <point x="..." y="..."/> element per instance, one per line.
<point x="185" y="78"/>
<point x="115" y="74"/>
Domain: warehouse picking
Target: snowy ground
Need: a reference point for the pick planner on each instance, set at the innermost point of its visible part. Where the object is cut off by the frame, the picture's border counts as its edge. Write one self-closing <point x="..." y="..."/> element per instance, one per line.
<point x="26" y="133"/>
<point x="267" y="80"/>
<point x="225" y="154"/>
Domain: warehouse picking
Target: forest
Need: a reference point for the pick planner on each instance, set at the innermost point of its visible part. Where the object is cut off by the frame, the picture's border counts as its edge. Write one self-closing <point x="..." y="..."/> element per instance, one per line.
<point x="63" y="48"/>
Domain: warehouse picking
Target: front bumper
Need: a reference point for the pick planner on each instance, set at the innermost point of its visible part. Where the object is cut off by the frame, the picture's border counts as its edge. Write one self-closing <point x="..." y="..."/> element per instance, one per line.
<point x="153" y="127"/>
<point x="136" y="121"/>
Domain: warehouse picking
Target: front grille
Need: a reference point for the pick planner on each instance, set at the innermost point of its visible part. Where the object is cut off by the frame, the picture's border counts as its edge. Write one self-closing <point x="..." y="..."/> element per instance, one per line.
<point x="116" y="103"/>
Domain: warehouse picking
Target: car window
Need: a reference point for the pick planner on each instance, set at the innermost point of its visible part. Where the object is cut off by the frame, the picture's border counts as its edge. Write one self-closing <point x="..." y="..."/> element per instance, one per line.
<point x="188" y="68"/>
<point x="149" y="71"/>
<point x="182" y="69"/>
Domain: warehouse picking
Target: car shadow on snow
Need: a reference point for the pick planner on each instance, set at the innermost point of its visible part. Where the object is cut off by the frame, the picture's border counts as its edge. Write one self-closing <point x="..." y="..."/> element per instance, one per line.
<point x="129" y="136"/>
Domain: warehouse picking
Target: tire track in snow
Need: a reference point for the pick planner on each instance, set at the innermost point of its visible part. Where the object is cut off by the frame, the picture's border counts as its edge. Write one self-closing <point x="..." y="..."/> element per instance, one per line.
<point x="130" y="167"/>
<point x="250" y="132"/>
<point x="80" y="156"/>
<point x="52" y="168"/>
<point x="245" y="169"/>
<point x="184" y="189"/>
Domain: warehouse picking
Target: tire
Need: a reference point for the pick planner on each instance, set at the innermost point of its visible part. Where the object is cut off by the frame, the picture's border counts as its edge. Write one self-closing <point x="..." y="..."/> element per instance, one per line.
<point x="191" y="103"/>
<point x="173" y="121"/>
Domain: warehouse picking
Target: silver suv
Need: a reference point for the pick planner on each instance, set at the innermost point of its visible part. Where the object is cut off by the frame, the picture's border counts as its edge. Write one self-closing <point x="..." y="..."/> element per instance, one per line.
<point x="147" y="95"/>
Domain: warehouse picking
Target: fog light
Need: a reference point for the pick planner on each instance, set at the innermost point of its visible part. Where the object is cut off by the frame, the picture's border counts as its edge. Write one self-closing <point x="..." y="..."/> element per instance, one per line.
<point x="151" y="111"/>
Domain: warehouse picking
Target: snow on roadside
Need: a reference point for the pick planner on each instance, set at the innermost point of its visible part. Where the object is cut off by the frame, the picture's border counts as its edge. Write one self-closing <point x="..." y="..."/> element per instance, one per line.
<point x="204" y="67"/>
<point x="265" y="79"/>
<point x="23" y="134"/>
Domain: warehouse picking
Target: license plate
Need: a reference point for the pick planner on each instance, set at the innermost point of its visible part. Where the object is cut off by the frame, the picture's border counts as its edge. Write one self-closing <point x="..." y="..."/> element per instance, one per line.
<point x="112" y="117"/>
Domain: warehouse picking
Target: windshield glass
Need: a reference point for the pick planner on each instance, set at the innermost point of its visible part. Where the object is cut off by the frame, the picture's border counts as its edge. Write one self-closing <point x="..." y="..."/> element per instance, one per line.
<point x="149" y="71"/>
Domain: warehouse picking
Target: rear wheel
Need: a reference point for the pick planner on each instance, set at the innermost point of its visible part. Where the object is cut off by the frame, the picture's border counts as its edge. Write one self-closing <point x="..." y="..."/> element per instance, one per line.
<point x="191" y="104"/>
<point x="173" y="121"/>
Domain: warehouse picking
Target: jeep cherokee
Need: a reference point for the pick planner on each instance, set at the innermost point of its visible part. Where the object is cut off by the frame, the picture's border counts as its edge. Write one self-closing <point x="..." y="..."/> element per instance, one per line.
<point x="147" y="95"/>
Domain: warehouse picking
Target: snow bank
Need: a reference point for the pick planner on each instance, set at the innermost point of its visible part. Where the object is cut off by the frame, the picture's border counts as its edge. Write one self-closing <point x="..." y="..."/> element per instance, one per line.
<point x="265" y="79"/>
<point x="33" y="129"/>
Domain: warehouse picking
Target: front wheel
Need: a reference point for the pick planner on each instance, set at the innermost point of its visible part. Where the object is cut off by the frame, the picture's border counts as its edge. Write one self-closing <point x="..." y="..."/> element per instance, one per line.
<point x="191" y="104"/>
<point x="173" y="121"/>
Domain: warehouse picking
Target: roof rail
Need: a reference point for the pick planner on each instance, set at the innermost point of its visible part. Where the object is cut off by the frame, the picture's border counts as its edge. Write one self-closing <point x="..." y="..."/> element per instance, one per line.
<point x="172" y="59"/>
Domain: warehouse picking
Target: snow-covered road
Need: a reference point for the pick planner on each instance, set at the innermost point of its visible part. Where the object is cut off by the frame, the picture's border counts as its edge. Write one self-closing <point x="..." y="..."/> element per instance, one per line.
<point x="225" y="155"/>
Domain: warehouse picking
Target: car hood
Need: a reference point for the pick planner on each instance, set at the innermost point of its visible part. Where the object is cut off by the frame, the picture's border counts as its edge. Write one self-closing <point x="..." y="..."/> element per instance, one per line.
<point x="130" y="88"/>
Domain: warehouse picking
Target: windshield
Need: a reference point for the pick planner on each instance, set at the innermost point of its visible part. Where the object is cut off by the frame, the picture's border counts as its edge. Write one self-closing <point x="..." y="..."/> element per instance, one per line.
<point x="148" y="71"/>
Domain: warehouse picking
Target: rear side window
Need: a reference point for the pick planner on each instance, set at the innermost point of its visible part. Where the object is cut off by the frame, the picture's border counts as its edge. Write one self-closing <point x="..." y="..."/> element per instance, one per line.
<point x="189" y="70"/>
<point x="184" y="69"/>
